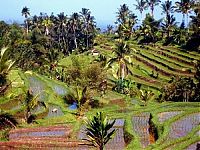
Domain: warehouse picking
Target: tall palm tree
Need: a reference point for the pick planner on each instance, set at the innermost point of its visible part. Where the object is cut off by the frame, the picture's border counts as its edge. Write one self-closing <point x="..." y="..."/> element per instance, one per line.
<point x="26" y="12"/>
<point x="109" y="29"/>
<point x="141" y="6"/>
<point x="47" y="23"/>
<point x="184" y="7"/>
<point x="122" y="59"/>
<point x="88" y="25"/>
<point x="126" y="20"/>
<point x="62" y="32"/>
<point x="152" y="4"/>
<point x="99" y="130"/>
<point x="167" y="9"/>
<point x="122" y="14"/>
<point x="74" y="25"/>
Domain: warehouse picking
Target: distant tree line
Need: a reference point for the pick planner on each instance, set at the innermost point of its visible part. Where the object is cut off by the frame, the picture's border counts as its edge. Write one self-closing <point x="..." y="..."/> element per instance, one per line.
<point x="42" y="39"/>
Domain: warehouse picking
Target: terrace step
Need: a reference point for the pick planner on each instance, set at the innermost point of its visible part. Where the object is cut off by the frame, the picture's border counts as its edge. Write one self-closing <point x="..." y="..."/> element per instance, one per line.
<point x="183" y="126"/>
<point x="40" y="132"/>
<point x="41" y="145"/>
<point x="52" y="137"/>
<point x="194" y="146"/>
<point x="163" y="116"/>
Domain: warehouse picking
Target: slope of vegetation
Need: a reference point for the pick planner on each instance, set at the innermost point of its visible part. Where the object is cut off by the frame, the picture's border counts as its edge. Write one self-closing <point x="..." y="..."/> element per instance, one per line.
<point x="58" y="71"/>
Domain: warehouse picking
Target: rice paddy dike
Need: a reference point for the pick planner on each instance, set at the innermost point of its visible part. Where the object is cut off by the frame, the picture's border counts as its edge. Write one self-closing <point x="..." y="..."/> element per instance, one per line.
<point x="140" y="125"/>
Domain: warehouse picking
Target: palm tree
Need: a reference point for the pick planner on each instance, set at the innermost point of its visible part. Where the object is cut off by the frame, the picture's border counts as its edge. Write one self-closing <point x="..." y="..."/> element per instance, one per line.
<point x="167" y="8"/>
<point x="88" y="26"/>
<point x="123" y="13"/>
<point x="149" y="28"/>
<point x="126" y="20"/>
<point x="26" y="12"/>
<point x="74" y="25"/>
<point x="98" y="130"/>
<point x="122" y="59"/>
<point x="47" y="23"/>
<point x="141" y="6"/>
<point x="152" y="4"/>
<point x="109" y="29"/>
<point x="184" y="7"/>
<point x="62" y="32"/>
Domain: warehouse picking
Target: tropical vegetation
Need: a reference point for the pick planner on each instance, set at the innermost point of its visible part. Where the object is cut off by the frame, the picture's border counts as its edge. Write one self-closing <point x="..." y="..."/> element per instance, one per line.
<point x="142" y="73"/>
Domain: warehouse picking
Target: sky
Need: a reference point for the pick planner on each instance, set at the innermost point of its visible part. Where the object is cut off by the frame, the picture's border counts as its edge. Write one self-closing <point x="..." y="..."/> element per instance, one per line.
<point x="104" y="11"/>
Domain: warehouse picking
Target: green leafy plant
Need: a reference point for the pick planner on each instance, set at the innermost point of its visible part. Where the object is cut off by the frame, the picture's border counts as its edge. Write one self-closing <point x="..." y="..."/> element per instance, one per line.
<point x="31" y="102"/>
<point x="80" y="96"/>
<point x="7" y="120"/>
<point x="99" y="130"/>
<point x="5" y="67"/>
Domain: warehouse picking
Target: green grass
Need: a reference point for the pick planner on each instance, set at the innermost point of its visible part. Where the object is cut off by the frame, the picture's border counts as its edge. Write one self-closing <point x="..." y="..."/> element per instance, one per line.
<point x="171" y="54"/>
<point x="194" y="55"/>
<point x="161" y="67"/>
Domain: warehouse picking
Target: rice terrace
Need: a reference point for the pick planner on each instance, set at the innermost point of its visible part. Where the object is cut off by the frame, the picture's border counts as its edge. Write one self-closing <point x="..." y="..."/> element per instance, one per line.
<point x="66" y="82"/>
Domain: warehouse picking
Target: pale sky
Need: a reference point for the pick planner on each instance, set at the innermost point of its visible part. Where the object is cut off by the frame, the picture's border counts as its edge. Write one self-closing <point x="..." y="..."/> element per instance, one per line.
<point x="104" y="11"/>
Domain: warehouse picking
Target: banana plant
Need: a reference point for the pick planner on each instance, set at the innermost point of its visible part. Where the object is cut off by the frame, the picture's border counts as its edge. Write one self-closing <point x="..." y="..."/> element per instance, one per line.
<point x="80" y="96"/>
<point x="31" y="102"/>
<point x="5" y="67"/>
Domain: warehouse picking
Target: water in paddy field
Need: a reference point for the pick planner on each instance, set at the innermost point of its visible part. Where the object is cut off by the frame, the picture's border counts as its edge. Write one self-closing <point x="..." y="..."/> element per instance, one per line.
<point x="54" y="111"/>
<point x="38" y="87"/>
<point x="73" y="106"/>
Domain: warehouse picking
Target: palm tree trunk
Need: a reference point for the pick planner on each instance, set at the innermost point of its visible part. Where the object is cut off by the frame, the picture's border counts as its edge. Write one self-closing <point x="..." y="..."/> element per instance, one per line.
<point x="152" y="10"/>
<point x="27" y="27"/>
<point x="122" y="71"/>
<point x="187" y="24"/>
<point x="141" y="17"/>
<point x="75" y="40"/>
<point x="183" y="20"/>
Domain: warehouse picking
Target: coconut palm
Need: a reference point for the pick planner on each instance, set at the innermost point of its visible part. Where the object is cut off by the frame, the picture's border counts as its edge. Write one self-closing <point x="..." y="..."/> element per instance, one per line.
<point x="122" y="14"/>
<point x="99" y="130"/>
<point x="169" y="21"/>
<point x="141" y="6"/>
<point x="47" y="23"/>
<point x="74" y="25"/>
<point x="88" y="26"/>
<point x="184" y="7"/>
<point x="126" y="20"/>
<point x="167" y="7"/>
<point x="122" y="58"/>
<point x="152" y="4"/>
<point x="149" y="28"/>
<point x="26" y="12"/>
<point x="109" y="29"/>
